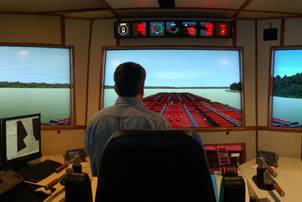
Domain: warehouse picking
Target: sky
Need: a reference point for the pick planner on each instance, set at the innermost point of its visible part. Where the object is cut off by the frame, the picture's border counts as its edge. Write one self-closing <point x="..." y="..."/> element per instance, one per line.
<point x="287" y="62"/>
<point x="34" y="64"/>
<point x="179" y="68"/>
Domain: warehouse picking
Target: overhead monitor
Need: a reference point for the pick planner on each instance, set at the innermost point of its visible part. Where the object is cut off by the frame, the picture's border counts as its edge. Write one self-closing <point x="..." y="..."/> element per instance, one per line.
<point x="139" y="29"/>
<point x="173" y="28"/>
<point x="189" y="28"/>
<point x="21" y="139"/>
<point x="190" y="88"/>
<point x="206" y="29"/>
<point x="157" y="29"/>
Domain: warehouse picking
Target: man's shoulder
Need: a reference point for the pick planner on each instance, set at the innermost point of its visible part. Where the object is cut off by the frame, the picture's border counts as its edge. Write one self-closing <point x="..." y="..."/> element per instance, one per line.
<point x="103" y="113"/>
<point x="153" y="114"/>
<point x="156" y="117"/>
<point x="114" y="113"/>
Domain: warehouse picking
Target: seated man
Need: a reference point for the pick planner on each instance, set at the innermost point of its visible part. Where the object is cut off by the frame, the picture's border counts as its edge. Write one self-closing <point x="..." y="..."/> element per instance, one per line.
<point x="128" y="113"/>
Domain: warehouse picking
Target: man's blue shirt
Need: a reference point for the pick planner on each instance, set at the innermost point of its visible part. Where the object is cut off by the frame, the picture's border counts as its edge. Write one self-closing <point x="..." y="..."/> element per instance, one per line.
<point x="128" y="113"/>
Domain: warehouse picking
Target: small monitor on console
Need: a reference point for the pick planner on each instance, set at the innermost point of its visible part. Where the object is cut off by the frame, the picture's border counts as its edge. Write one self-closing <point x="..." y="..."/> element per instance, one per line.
<point x="20" y="139"/>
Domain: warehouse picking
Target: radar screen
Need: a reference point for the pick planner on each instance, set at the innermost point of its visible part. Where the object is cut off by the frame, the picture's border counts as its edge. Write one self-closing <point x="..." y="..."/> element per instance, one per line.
<point x="206" y="29"/>
<point x="157" y="29"/>
<point x="122" y="30"/>
<point x="139" y="29"/>
<point x="189" y="29"/>
<point x="173" y="28"/>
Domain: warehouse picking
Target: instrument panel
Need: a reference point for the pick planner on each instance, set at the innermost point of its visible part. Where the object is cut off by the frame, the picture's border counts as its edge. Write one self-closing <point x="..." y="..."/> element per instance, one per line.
<point x="173" y="28"/>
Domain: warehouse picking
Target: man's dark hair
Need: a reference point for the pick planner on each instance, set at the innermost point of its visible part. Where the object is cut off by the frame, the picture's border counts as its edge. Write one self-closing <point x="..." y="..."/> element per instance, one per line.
<point x="129" y="78"/>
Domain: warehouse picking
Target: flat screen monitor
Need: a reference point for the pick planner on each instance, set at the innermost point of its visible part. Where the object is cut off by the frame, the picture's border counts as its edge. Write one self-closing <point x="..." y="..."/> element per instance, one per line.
<point x="21" y="139"/>
<point x="36" y="79"/>
<point x="190" y="88"/>
<point x="287" y="88"/>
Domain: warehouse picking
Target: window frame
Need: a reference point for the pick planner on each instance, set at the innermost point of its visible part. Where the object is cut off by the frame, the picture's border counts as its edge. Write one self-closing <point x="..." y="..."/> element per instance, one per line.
<point x="271" y="83"/>
<point x="178" y="47"/>
<point x="72" y="124"/>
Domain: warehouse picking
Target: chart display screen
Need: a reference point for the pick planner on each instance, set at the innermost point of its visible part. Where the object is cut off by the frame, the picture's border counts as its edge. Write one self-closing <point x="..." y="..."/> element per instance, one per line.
<point x="22" y="137"/>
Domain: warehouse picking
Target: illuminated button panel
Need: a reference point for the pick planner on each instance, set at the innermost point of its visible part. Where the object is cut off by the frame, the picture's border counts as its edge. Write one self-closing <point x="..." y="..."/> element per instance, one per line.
<point x="173" y="28"/>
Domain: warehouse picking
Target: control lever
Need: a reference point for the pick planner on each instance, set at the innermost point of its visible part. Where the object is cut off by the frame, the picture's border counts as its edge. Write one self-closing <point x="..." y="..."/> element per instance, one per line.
<point x="47" y="188"/>
<point x="65" y="165"/>
<point x="267" y="167"/>
<point x="268" y="180"/>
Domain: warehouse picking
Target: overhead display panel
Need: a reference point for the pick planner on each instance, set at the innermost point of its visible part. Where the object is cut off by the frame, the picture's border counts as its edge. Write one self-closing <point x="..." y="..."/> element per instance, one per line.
<point x="157" y="29"/>
<point x="173" y="28"/>
<point x="206" y="29"/>
<point x="139" y="29"/>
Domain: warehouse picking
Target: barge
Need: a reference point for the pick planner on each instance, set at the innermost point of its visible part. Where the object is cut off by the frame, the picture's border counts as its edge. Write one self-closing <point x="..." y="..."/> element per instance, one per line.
<point x="187" y="110"/>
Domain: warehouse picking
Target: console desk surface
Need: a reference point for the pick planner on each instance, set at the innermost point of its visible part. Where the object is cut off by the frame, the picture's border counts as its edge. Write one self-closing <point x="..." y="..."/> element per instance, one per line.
<point x="59" y="194"/>
<point x="289" y="178"/>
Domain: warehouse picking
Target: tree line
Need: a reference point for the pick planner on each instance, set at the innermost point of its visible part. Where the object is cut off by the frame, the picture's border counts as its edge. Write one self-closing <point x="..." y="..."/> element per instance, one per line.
<point x="17" y="84"/>
<point x="288" y="86"/>
<point x="236" y="86"/>
<point x="179" y="87"/>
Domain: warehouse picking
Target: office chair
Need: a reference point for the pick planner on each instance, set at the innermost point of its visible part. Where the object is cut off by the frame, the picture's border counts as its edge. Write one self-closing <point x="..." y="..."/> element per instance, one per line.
<point x="154" y="166"/>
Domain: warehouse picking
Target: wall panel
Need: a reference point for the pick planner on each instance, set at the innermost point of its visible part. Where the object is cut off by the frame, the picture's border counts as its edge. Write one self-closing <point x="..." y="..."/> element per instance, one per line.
<point x="54" y="142"/>
<point x="263" y="68"/>
<point x="102" y="35"/>
<point x="77" y="35"/>
<point x="282" y="143"/>
<point x="293" y="31"/>
<point x="30" y="29"/>
<point x="246" y="39"/>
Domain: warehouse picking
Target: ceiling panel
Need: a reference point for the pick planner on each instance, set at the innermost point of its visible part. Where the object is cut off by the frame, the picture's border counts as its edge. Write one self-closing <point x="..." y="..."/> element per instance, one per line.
<point x="276" y="5"/>
<point x="228" y="4"/>
<point x="91" y="14"/>
<point x="133" y="3"/>
<point x="166" y="13"/>
<point x="250" y="14"/>
<point x="48" y="5"/>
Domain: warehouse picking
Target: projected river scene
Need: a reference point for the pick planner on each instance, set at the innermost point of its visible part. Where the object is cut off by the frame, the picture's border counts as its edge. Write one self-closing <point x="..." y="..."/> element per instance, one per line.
<point x="287" y="89"/>
<point x="35" y="80"/>
<point x="189" y="88"/>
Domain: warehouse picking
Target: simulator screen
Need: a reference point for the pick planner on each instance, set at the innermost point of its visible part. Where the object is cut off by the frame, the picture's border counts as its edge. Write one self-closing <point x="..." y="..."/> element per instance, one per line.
<point x="287" y="88"/>
<point x="36" y="80"/>
<point x="22" y="137"/>
<point x="198" y="88"/>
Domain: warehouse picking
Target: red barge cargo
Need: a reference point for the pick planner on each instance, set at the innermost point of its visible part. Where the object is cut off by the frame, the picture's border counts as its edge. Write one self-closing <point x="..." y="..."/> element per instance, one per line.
<point x="187" y="110"/>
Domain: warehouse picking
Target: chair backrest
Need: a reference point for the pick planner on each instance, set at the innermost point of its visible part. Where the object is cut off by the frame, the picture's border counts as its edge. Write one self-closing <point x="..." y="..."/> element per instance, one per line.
<point x="154" y="166"/>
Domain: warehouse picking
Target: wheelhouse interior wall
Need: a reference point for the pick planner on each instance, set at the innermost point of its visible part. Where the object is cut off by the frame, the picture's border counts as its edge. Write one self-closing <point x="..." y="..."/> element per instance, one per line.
<point x="89" y="41"/>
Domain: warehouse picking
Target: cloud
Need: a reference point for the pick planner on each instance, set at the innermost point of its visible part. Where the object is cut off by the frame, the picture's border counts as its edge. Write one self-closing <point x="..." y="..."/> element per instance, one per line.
<point x="225" y="61"/>
<point x="115" y="63"/>
<point x="23" y="53"/>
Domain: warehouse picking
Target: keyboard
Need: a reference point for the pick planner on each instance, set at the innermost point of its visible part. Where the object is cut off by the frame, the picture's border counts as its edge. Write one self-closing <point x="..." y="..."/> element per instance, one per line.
<point x="37" y="172"/>
<point x="8" y="180"/>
